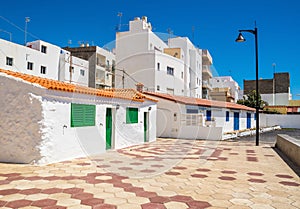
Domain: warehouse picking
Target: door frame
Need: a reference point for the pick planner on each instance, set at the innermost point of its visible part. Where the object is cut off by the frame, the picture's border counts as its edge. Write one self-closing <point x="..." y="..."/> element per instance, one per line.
<point x="146" y="127"/>
<point x="236" y="121"/>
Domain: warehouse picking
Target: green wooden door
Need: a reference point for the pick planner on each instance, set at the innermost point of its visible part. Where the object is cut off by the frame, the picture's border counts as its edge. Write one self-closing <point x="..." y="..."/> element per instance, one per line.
<point x="108" y="128"/>
<point x="145" y="126"/>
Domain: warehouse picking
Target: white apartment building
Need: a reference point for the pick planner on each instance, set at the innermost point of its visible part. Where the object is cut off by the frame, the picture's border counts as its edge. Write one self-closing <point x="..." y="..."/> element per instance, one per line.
<point x="142" y="57"/>
<point x="45" y="60"/>
<point x="192" y="65"/>
<point x="226" y="82"/>
<point x="101" y="65"/>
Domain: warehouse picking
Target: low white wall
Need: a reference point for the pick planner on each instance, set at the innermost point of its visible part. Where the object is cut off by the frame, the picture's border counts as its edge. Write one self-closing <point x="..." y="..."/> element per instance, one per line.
<point x="289" y="146"/>
<point x="285" y="121"/>
<point x="196" y="132"/>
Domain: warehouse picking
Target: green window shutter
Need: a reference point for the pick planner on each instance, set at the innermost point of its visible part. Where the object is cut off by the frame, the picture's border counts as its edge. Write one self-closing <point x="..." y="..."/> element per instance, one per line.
<point x="132" y="115"/>
<point x="82" y="115"/>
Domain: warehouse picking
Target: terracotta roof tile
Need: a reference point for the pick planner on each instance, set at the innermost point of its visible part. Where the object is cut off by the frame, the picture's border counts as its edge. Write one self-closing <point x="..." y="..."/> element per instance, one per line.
<point x="200" y="102"/>
<point x="128" y="94"/>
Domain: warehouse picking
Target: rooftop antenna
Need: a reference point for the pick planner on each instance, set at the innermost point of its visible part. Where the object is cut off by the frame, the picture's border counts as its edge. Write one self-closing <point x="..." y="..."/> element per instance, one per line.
<point x="274" y="67"/>
<point x="193" y="33"/>
<point x="27" y="20"/>
<point x="69" y="42"/>
<point x="120" y="14"/>
<point x="169" y="32"/>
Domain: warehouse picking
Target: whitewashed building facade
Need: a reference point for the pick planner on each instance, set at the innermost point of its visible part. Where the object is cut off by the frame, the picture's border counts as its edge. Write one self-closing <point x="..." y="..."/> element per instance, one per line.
<point x="45" y="121"/>
<point x="141" y="56"/>
<point x="45" y="60"/>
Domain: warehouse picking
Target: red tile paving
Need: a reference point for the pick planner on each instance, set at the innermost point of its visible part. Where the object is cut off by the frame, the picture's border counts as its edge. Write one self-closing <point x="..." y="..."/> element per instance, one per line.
<point x="153" y="176"/>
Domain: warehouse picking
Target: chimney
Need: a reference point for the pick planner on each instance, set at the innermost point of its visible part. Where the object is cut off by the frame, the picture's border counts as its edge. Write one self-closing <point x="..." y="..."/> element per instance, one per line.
<point x="139" y="87"/>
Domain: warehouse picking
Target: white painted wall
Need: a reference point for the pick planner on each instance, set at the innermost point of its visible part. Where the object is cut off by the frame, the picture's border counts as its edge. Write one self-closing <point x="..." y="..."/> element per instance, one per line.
<point x="36" y="124"/>
<point x="276" y="99"/>
<point x="284" y="121"/>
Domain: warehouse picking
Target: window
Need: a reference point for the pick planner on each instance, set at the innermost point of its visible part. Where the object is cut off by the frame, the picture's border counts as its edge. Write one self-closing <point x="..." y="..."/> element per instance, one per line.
<point x="182" y="75"/>
<point x="44" y="49"/>
<point x="227" y="116"/>
<point x="131" y="115"/>
<point x="254" y="116"/>
<point x="29" y="66"/>
<point x="170" y="70"/>
<point x="82" y="115"/>
<point x="82" y="72"/>
<point x="72" y="69"/>
<point x="158" y="66"/>
<point x="43" y="70"/>
<point x="9" y="61"/>
<point x="158" y="87"/>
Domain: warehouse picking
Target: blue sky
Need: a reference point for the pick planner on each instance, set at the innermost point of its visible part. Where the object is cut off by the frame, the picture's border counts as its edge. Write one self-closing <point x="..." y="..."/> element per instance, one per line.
<point x="215" y="22"/>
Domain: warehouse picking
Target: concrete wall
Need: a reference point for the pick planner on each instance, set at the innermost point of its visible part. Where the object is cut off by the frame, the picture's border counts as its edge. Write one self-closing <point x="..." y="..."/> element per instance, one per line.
<point x="276" y="99"/>
<point x="35" y="124"/>
<point x="285" y="121"/>
<point x="290" y="147"/>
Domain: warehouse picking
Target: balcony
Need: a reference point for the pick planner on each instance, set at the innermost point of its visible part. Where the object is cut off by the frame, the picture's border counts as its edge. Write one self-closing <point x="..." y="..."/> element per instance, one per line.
<point x="206" y="72"/>
<point x="206" y="85"/>
<point x="206" y="57"/>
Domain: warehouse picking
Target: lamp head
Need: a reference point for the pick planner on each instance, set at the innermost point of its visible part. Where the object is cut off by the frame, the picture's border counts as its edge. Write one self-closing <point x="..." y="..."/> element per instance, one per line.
<point x="240" y="38"/>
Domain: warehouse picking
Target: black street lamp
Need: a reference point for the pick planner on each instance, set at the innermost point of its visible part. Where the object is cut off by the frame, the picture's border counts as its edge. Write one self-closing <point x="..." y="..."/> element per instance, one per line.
<point x="240" y="38"/>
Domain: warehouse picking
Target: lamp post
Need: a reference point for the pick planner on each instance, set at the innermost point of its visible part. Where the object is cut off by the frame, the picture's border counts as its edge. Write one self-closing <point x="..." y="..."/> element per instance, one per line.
<point x="240" y="38"/>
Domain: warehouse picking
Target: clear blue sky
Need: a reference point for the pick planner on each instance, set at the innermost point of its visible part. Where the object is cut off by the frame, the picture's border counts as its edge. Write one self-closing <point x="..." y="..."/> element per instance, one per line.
<point x="215" y="22"/>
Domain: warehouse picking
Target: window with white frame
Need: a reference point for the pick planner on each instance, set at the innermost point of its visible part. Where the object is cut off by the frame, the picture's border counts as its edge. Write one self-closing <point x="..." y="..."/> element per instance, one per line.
<point x="9" y="61"/>
<point x="44" y="49"/>
<point x="170" y="70"/>
<point x="158" y="66"/>
<point x="29" y="66"/>
<point x="158" y="88"/>
<point x="43" y="70"/>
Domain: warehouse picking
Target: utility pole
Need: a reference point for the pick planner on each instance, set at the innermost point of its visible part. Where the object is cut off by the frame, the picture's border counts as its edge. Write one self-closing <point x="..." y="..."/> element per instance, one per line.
<point x="70" y="68"/>
<point x="274" y="92"/>
<point x="123" y="79"/>
<point x="27" y="20"/>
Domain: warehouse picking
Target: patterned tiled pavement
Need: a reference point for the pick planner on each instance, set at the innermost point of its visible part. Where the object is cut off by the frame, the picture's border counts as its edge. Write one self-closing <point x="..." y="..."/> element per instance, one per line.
<point x="169" y="173"/>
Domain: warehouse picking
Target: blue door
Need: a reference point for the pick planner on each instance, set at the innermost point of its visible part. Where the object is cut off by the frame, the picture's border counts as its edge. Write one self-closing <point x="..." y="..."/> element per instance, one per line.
<point x="248" y="120"/>
<point x="236" y="121"/>
<point x="208" y="115"/>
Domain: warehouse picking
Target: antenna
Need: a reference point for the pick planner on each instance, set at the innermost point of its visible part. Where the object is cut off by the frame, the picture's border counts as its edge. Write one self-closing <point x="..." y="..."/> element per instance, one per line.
<point x="27" y="20"/>
<point x="274" y="67"/>
<point x="69" y="42"/>
<point x="193" y="33"/>
<point x="120" y="14"/>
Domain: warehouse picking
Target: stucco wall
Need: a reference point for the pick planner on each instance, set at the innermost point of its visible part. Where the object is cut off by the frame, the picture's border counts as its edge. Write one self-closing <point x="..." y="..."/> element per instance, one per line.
<point x="21" y="116"/>
<point x="285" y="121"/>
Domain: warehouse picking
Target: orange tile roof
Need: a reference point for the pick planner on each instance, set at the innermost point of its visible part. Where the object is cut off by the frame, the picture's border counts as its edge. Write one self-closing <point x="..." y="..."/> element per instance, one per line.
<point x="199" y="102"/>
<point x="128" y="94"/>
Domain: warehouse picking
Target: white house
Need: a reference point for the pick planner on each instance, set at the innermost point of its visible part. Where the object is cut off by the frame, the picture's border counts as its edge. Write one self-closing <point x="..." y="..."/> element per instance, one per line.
<point x="141" y="56"/>
<point x="194" y="118"/>
<point x="45" y="60"/>
<point x="226" y="82"/>
<point x="45" y="121"/>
